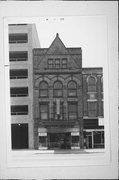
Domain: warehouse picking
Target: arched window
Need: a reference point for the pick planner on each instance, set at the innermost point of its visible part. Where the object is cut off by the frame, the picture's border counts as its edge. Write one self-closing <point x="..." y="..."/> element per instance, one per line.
<point x="58" y="89"/>
<point x="72" y="88"/>
<point x="91" y="84"/>
<point x="43" y="89"/>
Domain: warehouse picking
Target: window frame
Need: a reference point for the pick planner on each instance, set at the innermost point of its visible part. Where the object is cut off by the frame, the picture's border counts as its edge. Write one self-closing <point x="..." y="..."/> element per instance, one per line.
<point x="50" y="63"/>
<point x="18" y="76"/>
<point x="25" y="94"/>
<point x="94" y="85"/>
<point x="43" y="89"/>
<point x="40" y="113"/>
<point x="19" y="59"/>
<point x="76" y="112"/>
<point x="19" y="112"/>
<point x="55" y="117"/>
<point x="64" y="65"/>
<point x="55" y="89"/>
<point x="57" y="63"/>
<point x="12" y="41"/>
<point x="71" y="89"/>
<point x="90" y="109"/>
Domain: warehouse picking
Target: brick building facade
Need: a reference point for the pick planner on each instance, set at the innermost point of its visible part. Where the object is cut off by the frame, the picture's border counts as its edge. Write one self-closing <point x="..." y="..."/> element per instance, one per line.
<point x="67" y="99"/>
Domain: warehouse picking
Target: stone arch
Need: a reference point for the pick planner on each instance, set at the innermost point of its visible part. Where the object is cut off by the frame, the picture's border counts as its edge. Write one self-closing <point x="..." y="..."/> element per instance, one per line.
<point x="91" y="83"/>
<point x="37" y="81"/>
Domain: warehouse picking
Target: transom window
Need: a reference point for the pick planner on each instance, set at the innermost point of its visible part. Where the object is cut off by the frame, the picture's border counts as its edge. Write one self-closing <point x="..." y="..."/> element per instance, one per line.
<point x="72" y="88"/>
<point x="43" y="89"/>
<point x="44" y="111"/>
<point x="91" y="84"/>
<point x="72" y="110"/>
<point x="58" y="89"/>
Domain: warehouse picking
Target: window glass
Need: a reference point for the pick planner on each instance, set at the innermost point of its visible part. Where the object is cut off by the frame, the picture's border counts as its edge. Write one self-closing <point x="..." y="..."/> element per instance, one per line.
<point x="57" y="63"/>
<point x="92" y="109"/>
<point x="19" y="110"/>
<point x="19" y="92"/>
<point x="18" y="38"/>
<point x="91" y="84"/>
<point x="43" y="89"/>
<point x="72" y="111"/>
<point x="72" y="88"/>
<point x="18" y="56"/>
<point x="50" y="63"/>
<point x="44" y="111"/>
<point x="99" y="139"/>
<point x="58" y="110"/>
<point x="58" y="89"/>
<point x="18" y="74"/>
<point x="64" y="63"/>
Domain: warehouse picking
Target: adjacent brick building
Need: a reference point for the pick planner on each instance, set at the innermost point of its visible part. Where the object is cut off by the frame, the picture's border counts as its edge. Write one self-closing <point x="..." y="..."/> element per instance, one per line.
<point x="67" y="99"/>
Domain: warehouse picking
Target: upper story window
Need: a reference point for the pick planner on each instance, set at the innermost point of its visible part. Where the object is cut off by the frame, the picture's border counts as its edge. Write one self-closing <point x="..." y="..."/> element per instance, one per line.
<point x="58" y="110"/>
<point x="72" y="89"/>
<point x="18" y="56"/>
<point x="43" y="89"/>
<point x="91" y="84"/>
<point x="50" y="63"/>
<point x="19" y="110"/>
<point x="92" y="109"/>
<point x="57" y="63"/>
<point x="102" y="84"/>
<point x="58" y="89"/>
<point x="19" y="91"/>
<point x="64" y="63"/>
<point x="72" y="110"/>
<point x="18" y="38"/>
<point x="44" y="111"/>
<point x="19" y="74"/>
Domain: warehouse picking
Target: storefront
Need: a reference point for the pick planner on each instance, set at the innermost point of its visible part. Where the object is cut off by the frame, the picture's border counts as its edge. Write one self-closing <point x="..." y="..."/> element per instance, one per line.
<point x="59" y="139"/>
<point x="93" y="138"/>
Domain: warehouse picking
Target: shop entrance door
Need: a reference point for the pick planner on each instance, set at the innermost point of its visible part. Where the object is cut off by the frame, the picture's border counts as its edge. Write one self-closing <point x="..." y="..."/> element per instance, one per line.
<point x="89" y="141"/>
<point x="59" y="140"/>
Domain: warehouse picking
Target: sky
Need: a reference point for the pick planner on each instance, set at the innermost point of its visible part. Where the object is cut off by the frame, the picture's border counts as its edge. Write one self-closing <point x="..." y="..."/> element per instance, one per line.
<point x="87" y="32"/>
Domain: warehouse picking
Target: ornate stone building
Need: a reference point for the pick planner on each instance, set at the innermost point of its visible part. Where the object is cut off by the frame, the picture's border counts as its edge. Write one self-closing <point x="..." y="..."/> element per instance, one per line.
<point x="67" y="99"/>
